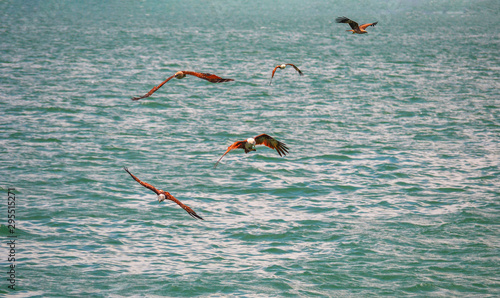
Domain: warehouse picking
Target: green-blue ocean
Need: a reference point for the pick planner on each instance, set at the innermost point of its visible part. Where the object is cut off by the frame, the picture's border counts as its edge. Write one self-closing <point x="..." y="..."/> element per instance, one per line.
<point x="391" y="186"/>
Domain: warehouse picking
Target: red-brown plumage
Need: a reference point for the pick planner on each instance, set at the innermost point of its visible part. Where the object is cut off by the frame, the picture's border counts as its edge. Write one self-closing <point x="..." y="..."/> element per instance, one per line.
<point x="167" y="195"/>
<point x="354" y="26"/>
<point x="262" y="139"/>
<point x="283" y="66"/>
<point x="363" y="27"/>
<point x="181" y="74"/>
<point x="208" y="76"/>
<point x="274" y="70"/>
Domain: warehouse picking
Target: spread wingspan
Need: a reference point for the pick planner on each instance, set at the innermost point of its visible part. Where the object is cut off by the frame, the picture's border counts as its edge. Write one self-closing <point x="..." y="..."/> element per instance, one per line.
<point x="282" y="66"/>
<point x="354" y="26"/>
<point x="166" y="194"/>
<point x="180" y="74"/>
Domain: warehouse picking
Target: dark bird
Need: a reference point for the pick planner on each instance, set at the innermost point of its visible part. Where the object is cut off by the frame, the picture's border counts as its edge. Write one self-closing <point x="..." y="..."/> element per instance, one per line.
<point x="249" y="145"/>
<point x="355" y="27"/>
<point x="163" y="195"/>
<point x="283" y="66"/>
<point x="182" y="74"/>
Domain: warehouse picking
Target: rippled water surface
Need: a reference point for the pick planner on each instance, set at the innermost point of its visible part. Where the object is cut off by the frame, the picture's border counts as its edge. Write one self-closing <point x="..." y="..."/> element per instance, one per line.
<point x="391" y="187"/>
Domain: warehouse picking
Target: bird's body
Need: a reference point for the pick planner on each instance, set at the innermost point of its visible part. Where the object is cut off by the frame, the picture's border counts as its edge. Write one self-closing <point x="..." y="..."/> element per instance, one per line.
<point x="250" y="143"/>
<point x="163" y="195"/>
<point x="354" y="26"/>
<point x="182" y="74"/>
<point x="283" y="66"/>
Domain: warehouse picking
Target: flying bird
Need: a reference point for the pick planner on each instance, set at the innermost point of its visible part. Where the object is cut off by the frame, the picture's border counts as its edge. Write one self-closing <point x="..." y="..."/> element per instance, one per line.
<point x="249" y="145"/>
<point x="182" y="74"/>
<point x="355" y="27"/>
<point x="283" y="66"/>
<point x="163" y="195"/>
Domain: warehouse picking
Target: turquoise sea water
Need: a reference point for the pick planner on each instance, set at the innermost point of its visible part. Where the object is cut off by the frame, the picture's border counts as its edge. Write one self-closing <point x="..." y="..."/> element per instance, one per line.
<point x="391" y="187"/>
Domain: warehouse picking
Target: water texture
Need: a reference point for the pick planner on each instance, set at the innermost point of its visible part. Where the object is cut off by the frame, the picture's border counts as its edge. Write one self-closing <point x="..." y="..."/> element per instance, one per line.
<point x="391" y="187"/>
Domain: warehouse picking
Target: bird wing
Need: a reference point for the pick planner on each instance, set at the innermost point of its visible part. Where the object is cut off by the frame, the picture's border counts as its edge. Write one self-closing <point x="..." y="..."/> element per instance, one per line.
<point x="235" y="145"/>
<point x="274" y="70"/>
<point x="268" y="141"/>
<point x="363" y="27"/>
<point x="146" y="185"/>
<point x="167" y="195"/>
<point x="185" y="207"/>
<point x="272" y="75"/>
<point x="207" y="76"/>
<point x="153" y="90"/>
<point x="296" y="68"/>
<point x="351" y="23"/>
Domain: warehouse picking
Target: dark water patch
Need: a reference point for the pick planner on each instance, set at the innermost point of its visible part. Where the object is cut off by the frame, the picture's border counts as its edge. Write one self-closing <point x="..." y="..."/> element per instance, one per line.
<point x="46" y="140"/>
<point x="346" y="188"/>
<point x="450" y="189"/>
<point x="328" y="157"/>
<point x="274" y="251"/>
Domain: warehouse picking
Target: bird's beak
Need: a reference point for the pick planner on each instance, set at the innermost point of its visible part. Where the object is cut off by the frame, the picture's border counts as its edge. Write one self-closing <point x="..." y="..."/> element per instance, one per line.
<point x="161" y="198"/>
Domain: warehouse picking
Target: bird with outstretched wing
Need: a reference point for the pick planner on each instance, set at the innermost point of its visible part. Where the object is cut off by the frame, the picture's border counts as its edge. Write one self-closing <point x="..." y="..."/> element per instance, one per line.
<point x="250" y="143"/>
<point x="182" y="74"/>
<point x="283" y="66"/>
<point x="163" y="195"/>
<point x="354" y="26"/>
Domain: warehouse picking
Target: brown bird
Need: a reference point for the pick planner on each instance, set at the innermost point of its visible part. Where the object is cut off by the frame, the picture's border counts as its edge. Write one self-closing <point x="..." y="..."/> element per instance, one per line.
<point x="355" y="27"/>
<point x="182" y="74"/>
<point x="283" y="66"/>
<point x="163" y="195"/>
<point x="249" y="145"/>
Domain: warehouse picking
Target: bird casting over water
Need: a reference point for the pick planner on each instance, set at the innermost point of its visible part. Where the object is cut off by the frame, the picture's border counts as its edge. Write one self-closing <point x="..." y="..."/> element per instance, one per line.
<point x="182" y="74"/>
<point x="355" y="27"/>
<point x="249" y="145"/>
<point x="283" y="66"/>
<point x="163" y="195"/>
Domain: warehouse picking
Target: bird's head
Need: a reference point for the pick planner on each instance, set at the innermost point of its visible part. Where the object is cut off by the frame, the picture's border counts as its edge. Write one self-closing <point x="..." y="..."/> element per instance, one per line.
<point x="251" y="141"/>
<point x="180" y="75"/>
<point x="161" y="197"/>
<point x="282" y="66"/>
